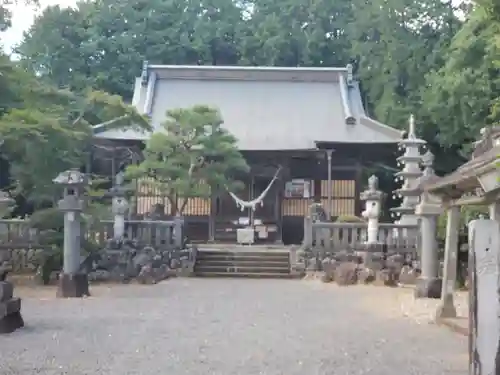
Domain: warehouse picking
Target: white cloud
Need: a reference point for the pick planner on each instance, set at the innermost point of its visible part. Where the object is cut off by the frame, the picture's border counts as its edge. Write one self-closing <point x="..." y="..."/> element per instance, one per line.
<point x="23" y="17"/>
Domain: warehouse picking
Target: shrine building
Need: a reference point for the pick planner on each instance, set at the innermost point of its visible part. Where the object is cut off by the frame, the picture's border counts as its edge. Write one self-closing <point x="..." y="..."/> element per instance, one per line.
<point x="308" y="123"/>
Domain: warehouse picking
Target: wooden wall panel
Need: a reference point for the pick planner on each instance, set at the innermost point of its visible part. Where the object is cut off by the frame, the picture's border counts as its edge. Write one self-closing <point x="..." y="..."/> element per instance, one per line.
<point x="296" y="206"/>
<point x="340" y="206"/>
<point x="340" y="188"/>
<point x="148" y="196"/>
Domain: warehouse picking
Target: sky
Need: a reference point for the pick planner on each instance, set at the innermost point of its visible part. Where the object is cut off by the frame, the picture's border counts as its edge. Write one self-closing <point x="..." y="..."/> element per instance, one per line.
<point x="23" y="17"/>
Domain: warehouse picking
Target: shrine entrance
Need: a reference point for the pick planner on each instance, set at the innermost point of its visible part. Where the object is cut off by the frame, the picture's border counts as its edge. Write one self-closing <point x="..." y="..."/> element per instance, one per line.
<point x="256" y="206"/>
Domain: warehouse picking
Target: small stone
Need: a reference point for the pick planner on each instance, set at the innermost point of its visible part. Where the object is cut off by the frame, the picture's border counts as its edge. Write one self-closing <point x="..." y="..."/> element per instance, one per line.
<point x="366" y="275"/>
<point x="408" y="275"/>
<point x="146" y="275"/>
<point x="386" y="277"/>
<point x="346" y="273"/>
<point x="100" y="276"/>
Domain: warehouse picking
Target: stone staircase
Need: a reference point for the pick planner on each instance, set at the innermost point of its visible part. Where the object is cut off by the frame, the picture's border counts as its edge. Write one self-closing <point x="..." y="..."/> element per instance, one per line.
<point x="243" y="261"/>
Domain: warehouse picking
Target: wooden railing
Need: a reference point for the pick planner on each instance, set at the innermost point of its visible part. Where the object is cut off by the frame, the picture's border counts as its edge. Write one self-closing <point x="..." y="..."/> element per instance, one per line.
<point x="332" y="237"/>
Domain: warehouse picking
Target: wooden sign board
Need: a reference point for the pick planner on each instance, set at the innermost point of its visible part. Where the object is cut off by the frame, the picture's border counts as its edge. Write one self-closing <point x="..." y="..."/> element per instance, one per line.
<point x="484" y="298"/>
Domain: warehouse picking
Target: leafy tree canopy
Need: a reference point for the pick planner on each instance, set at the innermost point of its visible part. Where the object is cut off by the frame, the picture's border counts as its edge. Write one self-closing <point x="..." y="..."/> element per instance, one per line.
<point x="191" y="155"/>
<point x="46" y="130"/>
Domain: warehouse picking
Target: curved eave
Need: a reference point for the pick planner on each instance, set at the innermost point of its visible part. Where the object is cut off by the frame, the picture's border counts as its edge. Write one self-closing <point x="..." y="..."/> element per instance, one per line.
<point x="393" y="135"/>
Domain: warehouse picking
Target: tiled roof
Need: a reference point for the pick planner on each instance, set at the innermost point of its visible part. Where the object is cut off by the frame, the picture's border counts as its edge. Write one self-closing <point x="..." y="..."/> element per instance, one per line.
<point x="264" y="108"/>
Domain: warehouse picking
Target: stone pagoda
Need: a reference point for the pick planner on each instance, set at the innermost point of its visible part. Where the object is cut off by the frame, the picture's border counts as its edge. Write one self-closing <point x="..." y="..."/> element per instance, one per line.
<point x="409" y="175"/>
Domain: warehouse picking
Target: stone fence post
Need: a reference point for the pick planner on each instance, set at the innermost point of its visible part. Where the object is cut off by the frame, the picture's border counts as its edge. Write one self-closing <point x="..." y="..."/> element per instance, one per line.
<point x="484" y="297"/>
<point x="308" y="232"/>
<point x="178" y="232"/>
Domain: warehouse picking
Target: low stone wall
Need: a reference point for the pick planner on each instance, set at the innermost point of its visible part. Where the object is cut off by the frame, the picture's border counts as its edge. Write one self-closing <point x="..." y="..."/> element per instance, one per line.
<point x="349" y="268"/>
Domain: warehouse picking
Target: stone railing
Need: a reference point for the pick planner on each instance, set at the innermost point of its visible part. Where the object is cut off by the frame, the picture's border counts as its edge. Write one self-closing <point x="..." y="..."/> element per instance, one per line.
<point x="22" y="247"/>
<point x="157" y="233"/>
<point x="327" y="237"/>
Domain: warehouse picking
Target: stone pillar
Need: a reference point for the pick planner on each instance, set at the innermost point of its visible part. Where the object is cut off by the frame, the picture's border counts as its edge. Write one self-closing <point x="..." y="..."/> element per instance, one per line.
<point x="307" y="242"/>
<point x="446" y="307"/>
<point x="72" y="282"/>
<point x="428" y="284"/>
<point x="494" y="211"/>
<point x="373" y="201"/>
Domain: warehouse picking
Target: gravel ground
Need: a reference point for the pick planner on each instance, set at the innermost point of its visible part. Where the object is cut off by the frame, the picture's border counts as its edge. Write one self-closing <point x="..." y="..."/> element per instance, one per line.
<point x="227" y="327"/>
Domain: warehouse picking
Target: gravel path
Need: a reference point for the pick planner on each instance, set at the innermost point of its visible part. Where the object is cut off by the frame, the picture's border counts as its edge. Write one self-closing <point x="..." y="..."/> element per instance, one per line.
<point x="226" y="327"/>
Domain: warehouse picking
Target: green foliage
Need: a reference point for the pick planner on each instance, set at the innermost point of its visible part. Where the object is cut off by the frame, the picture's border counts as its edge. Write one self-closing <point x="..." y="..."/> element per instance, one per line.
<point x="467" y="85"/>
<point x="349" y="219"/>
<point x="411" y="57"/>
<point x="467" y="213"/>
<point x="48" y="130"/>
<point x="191" y="155"/>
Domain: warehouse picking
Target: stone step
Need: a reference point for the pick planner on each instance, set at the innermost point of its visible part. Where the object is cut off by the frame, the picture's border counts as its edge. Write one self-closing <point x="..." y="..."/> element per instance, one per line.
<point x="242" y="258"/>
<point x="237" y="268"/>
<point x="239" y="254"/>
<point x="260" y="275"/>
<point x="242" y="263"/>
<point x="245" y="262"/>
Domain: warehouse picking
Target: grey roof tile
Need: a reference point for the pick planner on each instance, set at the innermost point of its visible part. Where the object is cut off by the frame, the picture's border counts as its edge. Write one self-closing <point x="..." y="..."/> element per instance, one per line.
<point x="265" y="108"/>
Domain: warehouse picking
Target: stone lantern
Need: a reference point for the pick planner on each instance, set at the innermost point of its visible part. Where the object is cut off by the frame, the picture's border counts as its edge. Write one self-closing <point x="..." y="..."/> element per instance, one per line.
<point x="119" y="207"/>
<point x="373" y="202"/>
<point x="72" y="282"/>
<point x="410" y="160"/>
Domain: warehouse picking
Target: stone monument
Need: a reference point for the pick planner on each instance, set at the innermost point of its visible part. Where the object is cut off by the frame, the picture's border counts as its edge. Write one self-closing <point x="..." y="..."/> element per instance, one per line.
<point x="410" y="173"/>
<point x="10" y="306"/>
<point x="428" y="210"/>
<point x="484" y="301"/>
<point x="72" y="282"/>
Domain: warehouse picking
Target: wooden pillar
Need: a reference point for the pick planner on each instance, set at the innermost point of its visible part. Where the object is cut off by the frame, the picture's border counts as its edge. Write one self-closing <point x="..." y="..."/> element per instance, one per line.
<point x="446" y="308"/>
<point x="213" y="214"/>
<point x="135" y="200"/>
<point x="251" y="192"/>
<point x="484" y="301"/>
<point x="88" y="161"/>
<point x="357" y="190"/>
<point x="329" y="184"/>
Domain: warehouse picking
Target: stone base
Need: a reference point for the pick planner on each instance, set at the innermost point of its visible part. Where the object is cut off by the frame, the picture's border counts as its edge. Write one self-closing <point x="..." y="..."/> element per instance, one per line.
<point x="446" y="308"/>
<point x="73" y="286"/>
<point x="10" y="315"/>
<point x="428" y="288"/>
